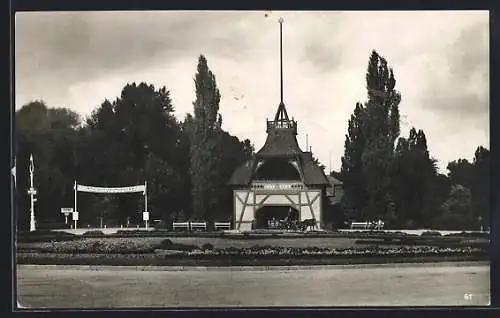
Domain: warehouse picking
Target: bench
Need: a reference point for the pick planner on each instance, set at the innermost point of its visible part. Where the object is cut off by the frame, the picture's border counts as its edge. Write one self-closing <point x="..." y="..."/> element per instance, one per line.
<point x="360" y="225"/>
<point x="198" y="225"/>
<point x="222" y="225"/>
<point x="180" y="225"/>
<point x="379" y="225"/>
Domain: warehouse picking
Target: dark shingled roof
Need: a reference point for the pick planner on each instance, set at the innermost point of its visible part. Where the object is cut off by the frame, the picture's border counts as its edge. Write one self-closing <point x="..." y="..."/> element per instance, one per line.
<point x="334" y="181"/>
<point x="313" y="175"/>
<point x="280" y="142"/>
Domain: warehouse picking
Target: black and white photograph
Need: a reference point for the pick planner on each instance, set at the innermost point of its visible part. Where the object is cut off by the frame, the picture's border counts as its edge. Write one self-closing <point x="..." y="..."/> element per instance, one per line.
<point x="251" y="159"/>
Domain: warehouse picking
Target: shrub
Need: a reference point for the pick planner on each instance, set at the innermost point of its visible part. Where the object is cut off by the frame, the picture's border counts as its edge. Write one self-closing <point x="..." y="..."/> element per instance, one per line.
<point x="165" y="244"/>
<point x="207" y="247"/>
<point x="94" y="233"/>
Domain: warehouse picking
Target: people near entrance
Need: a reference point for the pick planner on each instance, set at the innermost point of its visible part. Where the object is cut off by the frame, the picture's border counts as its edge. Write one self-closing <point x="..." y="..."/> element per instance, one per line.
<point x="273" y="223"/>
<point x="309" y="224"/>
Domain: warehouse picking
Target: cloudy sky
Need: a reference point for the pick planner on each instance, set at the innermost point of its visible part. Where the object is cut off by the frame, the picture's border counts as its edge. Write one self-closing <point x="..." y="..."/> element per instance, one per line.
<point x="440" y="60"/>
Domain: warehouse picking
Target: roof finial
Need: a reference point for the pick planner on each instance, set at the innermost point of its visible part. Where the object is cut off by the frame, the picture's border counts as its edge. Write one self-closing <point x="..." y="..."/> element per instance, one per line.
<point x="280" y="21"/>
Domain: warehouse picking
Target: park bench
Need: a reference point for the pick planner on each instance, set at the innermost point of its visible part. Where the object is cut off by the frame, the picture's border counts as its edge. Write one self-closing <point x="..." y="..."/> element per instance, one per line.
<point x="360" y="225"/>
<point x="180" y="225"/>
<point x="379" y="225"/>
<point x="222" y="225"/>
<point x="198" y="225"/>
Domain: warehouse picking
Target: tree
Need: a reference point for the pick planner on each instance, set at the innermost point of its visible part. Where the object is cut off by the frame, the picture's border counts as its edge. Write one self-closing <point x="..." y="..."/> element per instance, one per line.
<point x="481" y="186"/>
<point x="461" y="172"/>
<point x="354" y="199"/>
<point x="414" y="180"/>
<point x="234" y="153"/>
<point x="319" y="164"/>
<point x="474" y="176"/>
<point x="205" y="141"/>
<point x="137" y="139"/>
<point x="456" y="211"/>
<point x="380" y="128"/>
<point x="48" y="134"/>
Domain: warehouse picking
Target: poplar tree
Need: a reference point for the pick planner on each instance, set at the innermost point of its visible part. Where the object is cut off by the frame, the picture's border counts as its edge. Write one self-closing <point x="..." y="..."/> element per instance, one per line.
<point x="381" y="129"/>
<point x="205" y="135"/>
<point x="414" y="181"/>
<point x="351" y="173"/>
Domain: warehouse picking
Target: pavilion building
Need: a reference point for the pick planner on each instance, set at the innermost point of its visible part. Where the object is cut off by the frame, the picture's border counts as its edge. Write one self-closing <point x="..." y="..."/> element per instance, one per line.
<point x="281" y="180"/>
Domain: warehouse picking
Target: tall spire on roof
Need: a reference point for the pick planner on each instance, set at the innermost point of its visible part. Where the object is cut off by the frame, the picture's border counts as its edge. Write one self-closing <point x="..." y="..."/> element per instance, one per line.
<point x="280" y="21"/>
<point x="281" y="114"/>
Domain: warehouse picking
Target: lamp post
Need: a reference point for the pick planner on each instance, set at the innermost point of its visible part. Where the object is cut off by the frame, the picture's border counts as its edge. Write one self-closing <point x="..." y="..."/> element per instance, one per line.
<point x="32" y="192"/>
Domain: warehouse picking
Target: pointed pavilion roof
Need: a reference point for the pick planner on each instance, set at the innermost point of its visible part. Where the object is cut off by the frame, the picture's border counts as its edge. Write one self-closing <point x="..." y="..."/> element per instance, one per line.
<point x="281" y="142"/>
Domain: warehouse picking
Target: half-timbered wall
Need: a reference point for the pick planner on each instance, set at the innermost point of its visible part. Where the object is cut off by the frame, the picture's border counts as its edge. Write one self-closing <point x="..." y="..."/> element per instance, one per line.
<point x="248" y="201"/>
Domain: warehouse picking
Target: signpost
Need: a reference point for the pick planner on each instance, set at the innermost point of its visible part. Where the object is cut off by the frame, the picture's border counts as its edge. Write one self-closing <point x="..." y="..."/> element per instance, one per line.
<point x="145" y="214"/>
<point x="75" y="218"/>
<point x="145" y="217"/>
<point x="66" y="212"/>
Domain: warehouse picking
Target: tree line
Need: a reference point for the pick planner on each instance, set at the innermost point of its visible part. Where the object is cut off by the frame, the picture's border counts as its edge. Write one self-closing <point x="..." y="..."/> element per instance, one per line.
<point x="128" y="141"/>
<point x="186" y="163"/>
<point x="394" y="178"/>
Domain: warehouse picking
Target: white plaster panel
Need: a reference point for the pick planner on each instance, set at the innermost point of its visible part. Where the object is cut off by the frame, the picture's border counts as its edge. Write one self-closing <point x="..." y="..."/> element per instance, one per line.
<point x="248" y="214"/>
<point x="278" y="199"/>
<point x="245" y="227"/>
<point x="259" y="198"/>
<point x="303" y="197"/>
<point x="294" y="198"/>
<point x="241" y="194"/>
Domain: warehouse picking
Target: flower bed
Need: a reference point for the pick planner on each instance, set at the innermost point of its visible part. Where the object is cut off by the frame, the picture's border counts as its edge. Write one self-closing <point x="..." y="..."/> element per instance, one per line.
<point x="287" y="252"/>
<point x="451" y="242"/>
<point x="233" y="258"/>
<point x="105" y="246"/>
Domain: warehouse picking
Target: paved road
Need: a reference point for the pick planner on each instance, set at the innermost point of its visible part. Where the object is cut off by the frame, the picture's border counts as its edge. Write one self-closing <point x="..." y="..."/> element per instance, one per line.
<point x="393" y="285"/>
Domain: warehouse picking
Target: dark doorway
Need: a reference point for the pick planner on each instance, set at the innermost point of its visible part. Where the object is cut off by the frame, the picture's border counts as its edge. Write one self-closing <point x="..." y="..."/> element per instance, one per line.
<point x="270" y="216"/>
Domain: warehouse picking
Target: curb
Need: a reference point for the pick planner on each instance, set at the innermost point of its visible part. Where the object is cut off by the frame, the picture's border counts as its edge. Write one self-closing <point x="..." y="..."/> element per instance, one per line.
<point x="253" y="268"/>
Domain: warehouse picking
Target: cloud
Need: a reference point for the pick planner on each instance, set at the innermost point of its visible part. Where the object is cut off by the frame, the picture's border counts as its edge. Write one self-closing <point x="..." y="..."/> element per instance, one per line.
<point x="440" y="60"/>
<point x="464" y="90"/>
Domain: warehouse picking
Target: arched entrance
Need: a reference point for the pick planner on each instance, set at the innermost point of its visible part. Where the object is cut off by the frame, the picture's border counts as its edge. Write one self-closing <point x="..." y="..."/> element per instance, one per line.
<point x="270" y="216"/>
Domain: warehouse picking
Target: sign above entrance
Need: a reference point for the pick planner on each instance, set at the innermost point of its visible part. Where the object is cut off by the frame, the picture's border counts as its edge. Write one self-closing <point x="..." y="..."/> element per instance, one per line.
<point x="277" y="186"/>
